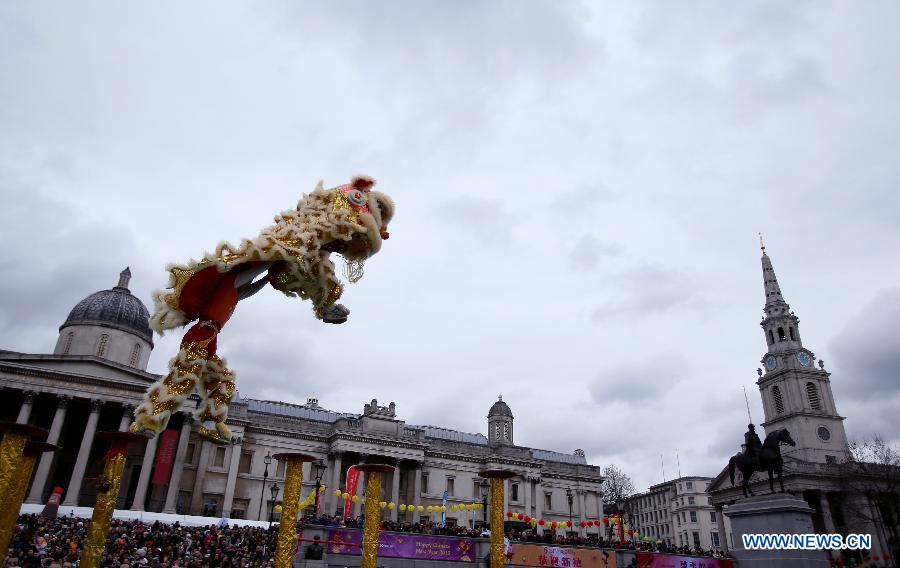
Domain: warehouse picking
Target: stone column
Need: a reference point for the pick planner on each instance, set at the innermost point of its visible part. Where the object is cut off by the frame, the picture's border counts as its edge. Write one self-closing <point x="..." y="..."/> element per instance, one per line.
<point x="526" y="488"/>
<point x="825" y="509"/>
<point x="27" y="404"/>
<point x="581" y="509"/>
<point x="84" y="452"/>
<point x="720" y="525"/>
<point x="140" y="494"/>
<point x="505" y="497"/>
<point x="197" y="493"/>
<point x="599" y="505"/>
<point x="232" y="475"/>
<point x="333" y="501"/>
<point x="538" y="501"/>
<point x="395" y="490"/>
<point x="127" y="416"/>
<point x="178" y="467"/>
<point x="43" y="469"/>
<point x="417" y="487"/>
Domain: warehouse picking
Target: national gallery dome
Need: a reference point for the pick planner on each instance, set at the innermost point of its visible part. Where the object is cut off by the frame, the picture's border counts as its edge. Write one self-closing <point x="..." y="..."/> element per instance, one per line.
<point x="112" y="324"/>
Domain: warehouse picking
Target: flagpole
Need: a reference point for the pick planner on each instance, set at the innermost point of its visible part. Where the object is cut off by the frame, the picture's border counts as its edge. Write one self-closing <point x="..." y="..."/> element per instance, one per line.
<point x="747" y="402"/>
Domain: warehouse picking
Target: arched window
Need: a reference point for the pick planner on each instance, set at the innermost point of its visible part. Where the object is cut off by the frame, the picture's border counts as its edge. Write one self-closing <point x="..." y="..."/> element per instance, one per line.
<point x="771" y="337"/>
<point x="101" y="345"/>
<point x="791" y="330"/>
<point x="813" y="394"/>
<point x="68" y="344"/>
<point x="780" y="334"/>
<point x="135" y="354"/>
<point x="779" y="402"/>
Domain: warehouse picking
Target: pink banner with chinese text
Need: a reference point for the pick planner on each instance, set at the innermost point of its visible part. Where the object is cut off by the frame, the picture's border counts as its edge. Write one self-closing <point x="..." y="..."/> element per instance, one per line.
<point x="542" y="556"/>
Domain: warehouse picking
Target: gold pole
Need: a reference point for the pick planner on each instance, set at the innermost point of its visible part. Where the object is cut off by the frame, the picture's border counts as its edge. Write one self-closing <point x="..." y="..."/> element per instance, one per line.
<point x="107" y="495"/>
<point x="11" y="448"/>
<point x="370" y="527"/>
<point x="290" y="508"/>
<point x="498" y="550"/>
<point x="18" y="487"/>
<point x="373" y="513"/>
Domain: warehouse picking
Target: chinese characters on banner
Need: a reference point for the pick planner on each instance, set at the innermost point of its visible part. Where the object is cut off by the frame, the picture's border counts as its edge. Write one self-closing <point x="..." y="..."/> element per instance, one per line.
<point x="647" y="560"/>
<point x="561" y="557"/>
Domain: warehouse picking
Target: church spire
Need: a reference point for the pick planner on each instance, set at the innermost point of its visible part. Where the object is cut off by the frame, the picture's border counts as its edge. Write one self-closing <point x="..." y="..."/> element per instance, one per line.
<point x="775" y="303"/>
<point x="779" y="324"/>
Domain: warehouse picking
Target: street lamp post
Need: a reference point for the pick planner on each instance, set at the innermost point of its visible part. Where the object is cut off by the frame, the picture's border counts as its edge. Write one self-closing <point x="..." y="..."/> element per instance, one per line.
<point x="569" y="497"/>
<point x="274" y="489"/>
<point x="319" y="470"/>
<point x="266" y="460"/>
<point x="484" y="485"/>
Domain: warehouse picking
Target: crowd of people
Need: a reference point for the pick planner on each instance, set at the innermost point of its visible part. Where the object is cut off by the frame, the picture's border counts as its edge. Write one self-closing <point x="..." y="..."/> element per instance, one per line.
<point x="40" y="542"/>
<point x="57" y="543"/>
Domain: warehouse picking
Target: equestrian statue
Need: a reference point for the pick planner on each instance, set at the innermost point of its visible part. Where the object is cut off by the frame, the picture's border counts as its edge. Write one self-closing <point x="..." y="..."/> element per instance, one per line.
<point x="760" y="456"/>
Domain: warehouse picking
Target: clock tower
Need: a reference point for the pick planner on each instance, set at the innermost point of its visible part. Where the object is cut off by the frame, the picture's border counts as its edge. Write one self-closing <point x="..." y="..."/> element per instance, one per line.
<point x="795" y="394"/>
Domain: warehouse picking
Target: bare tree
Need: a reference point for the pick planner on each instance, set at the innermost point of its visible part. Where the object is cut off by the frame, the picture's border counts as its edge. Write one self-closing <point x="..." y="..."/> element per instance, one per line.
<point x="616" y="485"/>
<point x="871" y="482"/>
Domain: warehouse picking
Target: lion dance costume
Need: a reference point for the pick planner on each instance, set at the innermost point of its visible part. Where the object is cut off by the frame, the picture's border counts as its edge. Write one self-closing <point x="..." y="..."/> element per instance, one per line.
<point x="293" y="257"/>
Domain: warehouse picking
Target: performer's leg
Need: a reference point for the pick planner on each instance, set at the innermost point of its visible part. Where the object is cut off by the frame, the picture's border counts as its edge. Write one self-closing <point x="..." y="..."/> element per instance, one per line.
<point x="216" y="389"/>
<point x="216" y="386"/>
<point x="328" y="293"/>
<point x="168" y="394"/>
<point x="188" y="367"/>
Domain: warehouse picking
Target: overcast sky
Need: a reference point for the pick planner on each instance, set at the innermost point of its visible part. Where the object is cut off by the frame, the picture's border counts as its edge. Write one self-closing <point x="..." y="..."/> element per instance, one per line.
<point x="579" y="188"/>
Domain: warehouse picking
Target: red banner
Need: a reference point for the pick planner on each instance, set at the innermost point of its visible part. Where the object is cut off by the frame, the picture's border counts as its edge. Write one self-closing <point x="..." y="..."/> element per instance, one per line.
<point x="165" y="457"/>
<point x="352" y="481"/>
<point x="654" y="560"/>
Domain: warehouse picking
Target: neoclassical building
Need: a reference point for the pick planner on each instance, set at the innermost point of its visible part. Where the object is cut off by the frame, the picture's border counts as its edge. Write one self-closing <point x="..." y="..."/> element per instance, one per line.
<point x="680" y="512"/>
<point x="97" y="374"/>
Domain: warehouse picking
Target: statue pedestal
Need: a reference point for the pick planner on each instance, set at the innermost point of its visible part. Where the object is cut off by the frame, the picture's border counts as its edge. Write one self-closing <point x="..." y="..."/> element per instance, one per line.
<point x="773" y="514"/>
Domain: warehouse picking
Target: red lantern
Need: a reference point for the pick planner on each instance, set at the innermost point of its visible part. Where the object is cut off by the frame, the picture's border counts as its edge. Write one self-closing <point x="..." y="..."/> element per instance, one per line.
<point x="541" y="522"/>
<point x="568" y="523"/>
<point x="588" y="523"/>
<point x="520" y="516"/>
<point x="509" y="514"/>
<point x="527" y="519"/>
<point x="605" y="520"/>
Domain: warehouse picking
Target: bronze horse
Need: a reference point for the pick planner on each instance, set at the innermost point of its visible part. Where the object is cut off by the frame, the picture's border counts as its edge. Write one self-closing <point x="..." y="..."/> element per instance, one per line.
<point x="769" y="460"/>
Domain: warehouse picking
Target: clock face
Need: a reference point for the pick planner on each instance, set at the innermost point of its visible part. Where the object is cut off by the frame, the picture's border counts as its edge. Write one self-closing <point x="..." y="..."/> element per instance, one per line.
<point x="771" y="362"/>
<point x="804" y="358"/>
<point x="823" y="433"/>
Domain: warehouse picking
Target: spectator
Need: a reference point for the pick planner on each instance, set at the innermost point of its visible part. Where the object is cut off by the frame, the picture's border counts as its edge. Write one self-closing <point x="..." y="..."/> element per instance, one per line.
<point x="314" y="551"/>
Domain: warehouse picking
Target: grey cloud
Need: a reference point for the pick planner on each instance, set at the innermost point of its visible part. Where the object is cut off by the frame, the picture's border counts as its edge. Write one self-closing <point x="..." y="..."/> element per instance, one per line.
<point x="870" y="364"/>
<point x="587" y="200"/>
<point x="650" y="378"/>
<point x="480" y="218"/>
<point x="652" y="289"/>
<point x="52" y="259"/>
<point x="589" y="252"/>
